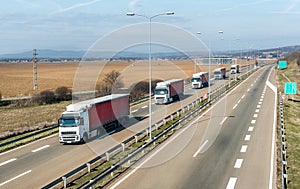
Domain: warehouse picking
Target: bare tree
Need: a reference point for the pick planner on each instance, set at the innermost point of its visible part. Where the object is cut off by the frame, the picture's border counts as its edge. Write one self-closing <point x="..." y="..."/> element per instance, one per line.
<point x="111" y="81"/>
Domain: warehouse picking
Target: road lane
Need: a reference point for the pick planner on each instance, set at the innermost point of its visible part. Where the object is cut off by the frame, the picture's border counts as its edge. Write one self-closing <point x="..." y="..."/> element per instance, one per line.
<point x="52" y="159"/>
<point x="225" y="163"/>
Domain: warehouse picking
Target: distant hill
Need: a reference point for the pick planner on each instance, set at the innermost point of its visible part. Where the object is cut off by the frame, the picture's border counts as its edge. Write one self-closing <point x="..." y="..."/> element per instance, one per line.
<point x="69" y="54"/>
<point x="44" y="53"/>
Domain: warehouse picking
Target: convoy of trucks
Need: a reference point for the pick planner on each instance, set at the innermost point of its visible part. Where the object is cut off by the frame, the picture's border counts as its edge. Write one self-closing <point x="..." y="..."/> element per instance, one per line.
<point x="220" y="73"/>
<point x="87" y="119"/>
<point x="200" y="80"/>
<point x="168" y="91"/>
<point x="234" y="69"/>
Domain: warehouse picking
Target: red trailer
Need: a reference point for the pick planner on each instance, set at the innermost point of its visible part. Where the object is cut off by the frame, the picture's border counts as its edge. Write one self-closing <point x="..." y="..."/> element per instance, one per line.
<point x="168" y="91"/>
<point x="90" y="118"/>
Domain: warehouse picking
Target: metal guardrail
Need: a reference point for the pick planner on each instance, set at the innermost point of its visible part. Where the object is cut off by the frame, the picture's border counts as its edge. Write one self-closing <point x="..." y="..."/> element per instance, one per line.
<point x="283" y="147"/>
<point x="217" y="93"/>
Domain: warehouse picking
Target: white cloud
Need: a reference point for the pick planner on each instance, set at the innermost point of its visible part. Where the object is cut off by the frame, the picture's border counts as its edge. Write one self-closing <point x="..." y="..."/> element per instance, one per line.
<point x="236" y="6"/>
<point x="76" y="6"/>
<point x="133" y="4"/>
<point x="290" y="9"/>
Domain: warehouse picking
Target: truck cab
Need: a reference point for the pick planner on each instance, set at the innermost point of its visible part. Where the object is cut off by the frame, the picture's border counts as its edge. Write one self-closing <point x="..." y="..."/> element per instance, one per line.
<point x="72" y="126"/>
<point x="162" y="93"/>
<point x="234" y="69"/>
<point x="199" y="80"/>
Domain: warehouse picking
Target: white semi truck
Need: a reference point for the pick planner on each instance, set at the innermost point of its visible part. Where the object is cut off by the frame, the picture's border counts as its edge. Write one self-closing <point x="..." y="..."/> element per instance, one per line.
<point x="168" y="91"/>
<point x="220" y="73"/>
<point x="87" y="119"/>
<point x="200" y="80"/>
<point x="234" y="69"/>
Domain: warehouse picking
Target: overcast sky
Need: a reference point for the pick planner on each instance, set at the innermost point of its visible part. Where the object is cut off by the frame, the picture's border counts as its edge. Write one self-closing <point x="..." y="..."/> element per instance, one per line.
<point x="78" y="24"/>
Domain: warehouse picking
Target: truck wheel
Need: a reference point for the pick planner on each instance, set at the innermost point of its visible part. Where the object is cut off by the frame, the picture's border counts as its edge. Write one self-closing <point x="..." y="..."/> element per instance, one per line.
<point x="85" y="138"/>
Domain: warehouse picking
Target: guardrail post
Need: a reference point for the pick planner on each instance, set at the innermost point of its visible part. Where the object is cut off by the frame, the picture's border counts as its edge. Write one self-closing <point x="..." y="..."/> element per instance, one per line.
<point x="107" y="156"/>
<point x="64" y="181"/>
<point x="112" y="173"/>
<point x="88" y="165"/>
<point x="164" y="121"/>
<point x="136" y="138"/>
<point x="123" y="147"/>
<point x="178" y="114"/>
<point x="155" y="125"/>
<point x="172" y="117"/>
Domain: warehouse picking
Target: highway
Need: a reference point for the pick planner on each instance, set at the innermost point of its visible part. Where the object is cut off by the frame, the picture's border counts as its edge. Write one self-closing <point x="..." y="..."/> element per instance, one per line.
<point x="40" y="162"/>
<point x="231" y="145"/>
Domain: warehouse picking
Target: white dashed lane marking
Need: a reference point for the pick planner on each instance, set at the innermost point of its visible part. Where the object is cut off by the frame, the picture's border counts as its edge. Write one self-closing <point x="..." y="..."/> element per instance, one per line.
<point x="8" y="161"/>
<point x="244" y="149"/>
<point x="41" y="148"/>
<point x="231" y="183"/>
<point x="238" y="163"/>
<point x="247" y="137"/>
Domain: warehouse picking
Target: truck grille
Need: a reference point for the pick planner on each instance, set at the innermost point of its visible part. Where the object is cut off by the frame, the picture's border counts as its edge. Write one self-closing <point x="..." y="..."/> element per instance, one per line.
<point x="68" y="132"/>
<point x="68" y="138"/>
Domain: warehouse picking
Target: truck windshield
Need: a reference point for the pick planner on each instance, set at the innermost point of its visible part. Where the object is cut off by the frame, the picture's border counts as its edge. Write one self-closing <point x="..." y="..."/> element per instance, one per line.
<point x="160" y="91"/>
<point x="233" y="68"/>
<point x="217" y="72"/>
<point x="196" y="80"/>
<point x="68" y="122"/>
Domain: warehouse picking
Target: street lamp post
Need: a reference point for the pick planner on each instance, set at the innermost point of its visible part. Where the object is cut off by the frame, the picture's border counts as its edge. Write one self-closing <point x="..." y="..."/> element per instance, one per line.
<point x="150" y="63"/>
<point x="209" y="63"/>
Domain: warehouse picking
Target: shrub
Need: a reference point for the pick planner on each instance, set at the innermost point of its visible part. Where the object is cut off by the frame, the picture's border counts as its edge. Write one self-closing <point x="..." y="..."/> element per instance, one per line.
<point x="47" y="97"/>
<point x="63" y="93"/>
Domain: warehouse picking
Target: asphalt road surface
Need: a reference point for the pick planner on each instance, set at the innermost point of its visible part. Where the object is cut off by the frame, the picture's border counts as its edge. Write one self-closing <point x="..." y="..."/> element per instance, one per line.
<point x="40" y="162"/>
<point x="231" y="145"/>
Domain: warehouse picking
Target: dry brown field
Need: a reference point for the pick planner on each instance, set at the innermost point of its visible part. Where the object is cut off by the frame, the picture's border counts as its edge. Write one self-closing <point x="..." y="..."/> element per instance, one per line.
<point x="16" y="79"/>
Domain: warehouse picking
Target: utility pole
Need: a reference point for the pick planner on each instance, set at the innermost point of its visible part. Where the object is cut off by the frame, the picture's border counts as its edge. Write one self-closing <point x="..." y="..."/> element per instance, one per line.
<point x="35" y="85"/>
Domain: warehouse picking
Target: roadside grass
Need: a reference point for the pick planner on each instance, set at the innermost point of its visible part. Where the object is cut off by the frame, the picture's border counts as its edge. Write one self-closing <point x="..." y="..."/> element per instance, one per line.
<point x="28" y="140"/>
<point x="17" y="120"/>
<point x="291" y="111"/>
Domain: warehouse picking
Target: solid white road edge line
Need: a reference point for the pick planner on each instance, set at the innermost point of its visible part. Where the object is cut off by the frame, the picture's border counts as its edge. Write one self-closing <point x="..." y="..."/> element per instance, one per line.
<point x="234" y="106"/>
<point x="274" y="89"/>
<point x="8" y="161"/>
<point x="41" y="148"/>
<point x="223" y="120"/>
<point x="3" y="183"/>
<point x="201" y="147"/>
<point x="231" y="183"/>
